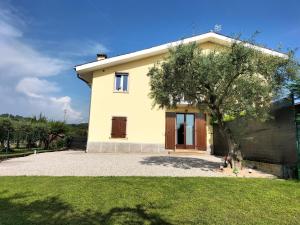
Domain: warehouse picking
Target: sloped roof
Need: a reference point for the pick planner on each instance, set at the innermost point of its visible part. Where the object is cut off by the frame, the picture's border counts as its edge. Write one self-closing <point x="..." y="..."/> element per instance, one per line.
<point x="160" y="49"/>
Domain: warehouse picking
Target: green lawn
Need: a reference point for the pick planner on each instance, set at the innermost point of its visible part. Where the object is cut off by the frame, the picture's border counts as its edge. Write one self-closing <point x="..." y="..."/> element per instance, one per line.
<point x="137" y="200"/>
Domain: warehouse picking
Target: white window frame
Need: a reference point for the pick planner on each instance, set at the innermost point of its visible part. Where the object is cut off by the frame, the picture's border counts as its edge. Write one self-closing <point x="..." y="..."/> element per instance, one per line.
<point x="122" y="74"/>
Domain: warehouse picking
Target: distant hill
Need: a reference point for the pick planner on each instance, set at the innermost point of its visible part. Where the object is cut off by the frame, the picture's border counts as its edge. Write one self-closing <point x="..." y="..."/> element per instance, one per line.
<point x="15" y="117"/>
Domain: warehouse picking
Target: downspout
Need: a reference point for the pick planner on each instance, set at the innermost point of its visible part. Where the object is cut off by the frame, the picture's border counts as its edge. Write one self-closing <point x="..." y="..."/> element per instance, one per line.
<point x="78" y="76"/>
<point x="297" y="122"/>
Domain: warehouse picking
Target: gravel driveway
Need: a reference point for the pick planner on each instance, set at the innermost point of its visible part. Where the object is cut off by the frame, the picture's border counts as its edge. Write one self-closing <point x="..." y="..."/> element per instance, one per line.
<point x="79" y="163"/>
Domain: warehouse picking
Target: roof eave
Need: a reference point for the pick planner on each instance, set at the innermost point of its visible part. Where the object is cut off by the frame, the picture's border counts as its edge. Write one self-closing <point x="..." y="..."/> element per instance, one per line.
<point x="211" y="36"/>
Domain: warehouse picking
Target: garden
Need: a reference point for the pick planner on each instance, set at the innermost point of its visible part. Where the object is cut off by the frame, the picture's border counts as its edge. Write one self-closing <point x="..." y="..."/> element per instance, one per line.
<point x="21" y="136"/>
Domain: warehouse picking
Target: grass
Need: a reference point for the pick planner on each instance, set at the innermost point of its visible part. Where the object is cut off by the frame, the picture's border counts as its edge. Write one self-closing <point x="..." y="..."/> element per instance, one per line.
<point x="146" y="200"/>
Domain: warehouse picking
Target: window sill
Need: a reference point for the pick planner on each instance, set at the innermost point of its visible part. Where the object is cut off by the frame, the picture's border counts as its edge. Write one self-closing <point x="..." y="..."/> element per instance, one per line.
<point x="124" y="92"/>
<point x="120" y="138"/>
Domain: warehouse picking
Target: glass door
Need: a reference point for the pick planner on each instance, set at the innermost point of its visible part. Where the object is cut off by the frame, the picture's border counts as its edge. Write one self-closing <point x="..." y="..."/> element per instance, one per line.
<point x="185" y="131"/>
<point x="189" y="130"/>
<point x="180" y="127"/>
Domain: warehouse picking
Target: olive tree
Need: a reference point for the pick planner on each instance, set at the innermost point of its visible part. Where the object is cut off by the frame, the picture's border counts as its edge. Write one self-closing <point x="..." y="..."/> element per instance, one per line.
<point x="294" y="87"/>
<point x="19" y="135"/>
<point x="238" y="80"/>
<point x="6" y="129"/>
<point x="55" y="129"/>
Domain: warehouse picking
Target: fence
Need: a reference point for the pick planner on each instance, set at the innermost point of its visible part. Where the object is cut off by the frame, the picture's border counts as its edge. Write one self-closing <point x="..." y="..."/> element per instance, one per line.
<point x="78" y="143"/>
<point x="273" y="141"/>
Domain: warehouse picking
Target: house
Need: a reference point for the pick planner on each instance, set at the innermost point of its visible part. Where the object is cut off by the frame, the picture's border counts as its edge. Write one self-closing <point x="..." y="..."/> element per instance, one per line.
<point x="122" y="116"/>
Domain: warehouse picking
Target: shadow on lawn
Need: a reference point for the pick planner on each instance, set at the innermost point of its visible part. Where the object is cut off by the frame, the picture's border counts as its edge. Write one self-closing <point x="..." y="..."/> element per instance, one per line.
<point x="15" y="210"/>
<point x="181" y="162"/>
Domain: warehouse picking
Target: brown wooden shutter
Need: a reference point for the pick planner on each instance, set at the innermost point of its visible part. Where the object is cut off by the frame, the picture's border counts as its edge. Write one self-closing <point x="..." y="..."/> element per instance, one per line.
<point x="201" y="131"/>
<point x="114" y="127"/>
<point x="170" y="130"/>
<point x="118" y="127"/>
<point x="123" y="121"/>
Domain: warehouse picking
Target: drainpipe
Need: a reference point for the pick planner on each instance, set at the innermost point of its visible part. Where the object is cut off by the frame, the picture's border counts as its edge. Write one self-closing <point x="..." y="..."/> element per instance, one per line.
<point x="79" y="77"/>
<point x="297" y="123"/>
<point x="90" y="104"/>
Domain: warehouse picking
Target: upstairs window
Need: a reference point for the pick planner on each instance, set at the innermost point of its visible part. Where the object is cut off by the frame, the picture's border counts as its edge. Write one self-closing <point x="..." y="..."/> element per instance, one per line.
<point x="118" y="127"/>
<point x="121" y="82"/>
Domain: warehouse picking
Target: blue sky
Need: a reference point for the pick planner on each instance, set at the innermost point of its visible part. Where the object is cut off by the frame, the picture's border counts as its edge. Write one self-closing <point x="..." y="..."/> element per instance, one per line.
<point x="41" y="41"/>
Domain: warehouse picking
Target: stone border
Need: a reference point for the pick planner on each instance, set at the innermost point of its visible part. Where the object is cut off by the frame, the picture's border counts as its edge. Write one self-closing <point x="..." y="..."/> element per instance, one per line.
<point x="121" y="147"/>
<point x="275" y="169"/>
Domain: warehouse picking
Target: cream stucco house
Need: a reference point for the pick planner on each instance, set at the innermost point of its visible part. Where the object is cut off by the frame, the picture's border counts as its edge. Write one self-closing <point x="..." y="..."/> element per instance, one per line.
<point x="122" y="117"/>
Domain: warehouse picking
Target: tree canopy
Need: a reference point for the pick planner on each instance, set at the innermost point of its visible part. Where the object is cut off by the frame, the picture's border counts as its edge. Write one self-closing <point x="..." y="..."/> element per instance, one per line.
<point x="235" y="81"/>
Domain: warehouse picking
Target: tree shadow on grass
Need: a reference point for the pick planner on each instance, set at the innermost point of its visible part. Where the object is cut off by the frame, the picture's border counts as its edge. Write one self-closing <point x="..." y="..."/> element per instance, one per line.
<point x="181" y="162"/>
<point x="18" y="209"/>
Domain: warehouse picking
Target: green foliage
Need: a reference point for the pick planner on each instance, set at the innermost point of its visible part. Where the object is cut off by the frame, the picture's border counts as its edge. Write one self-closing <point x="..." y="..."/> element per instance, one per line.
<point x="6" y="128"/>
<point x="28" y="132"/>
<point x="232" y="82"/>
<point x="235" y="171"/>
<point x="63" y="142"/>
<point x="236" y="80"/>
<point x="78" y="130"/>
<point x="38" y="132"/>
<point x="57" y="127"/>
<point x="294" y="87"/>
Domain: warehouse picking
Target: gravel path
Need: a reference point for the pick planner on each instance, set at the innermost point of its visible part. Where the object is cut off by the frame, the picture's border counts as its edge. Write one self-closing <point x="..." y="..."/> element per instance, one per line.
<point x="79" y="163"/>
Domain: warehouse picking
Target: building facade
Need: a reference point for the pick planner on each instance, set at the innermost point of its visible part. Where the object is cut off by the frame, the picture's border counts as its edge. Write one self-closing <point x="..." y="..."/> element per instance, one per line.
<point x="122" y="115"/>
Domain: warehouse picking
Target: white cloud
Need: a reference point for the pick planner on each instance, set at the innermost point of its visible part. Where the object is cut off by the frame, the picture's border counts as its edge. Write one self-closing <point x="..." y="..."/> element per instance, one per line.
<point x="52" y="107"/>
<point x="9" y="21"/>
<point x="89" y="48"/>
<point x="7" y="30"/>
<point x="24" y="88"/>
<point x="21" y="59"/>
<point x="38" y="90"/>
<point x="65" y="103"/>
<point x="35" y="87"/>
<point x="80" y="48"/>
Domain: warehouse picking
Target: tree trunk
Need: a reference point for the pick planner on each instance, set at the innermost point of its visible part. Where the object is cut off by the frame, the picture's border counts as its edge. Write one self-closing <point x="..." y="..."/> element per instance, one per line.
<point x="2" y="144"/>
<point x="8" y="140"/>
<point x="229" y="157"/>
<point x="46" y="144"/>
<point x="233" y="150"/>
<point x="225" y="131"/>
<point x="51" y="139"/>
<point x="29" y="144"/>
<point x="8" y="144"/>
<point x="18" y="143"/>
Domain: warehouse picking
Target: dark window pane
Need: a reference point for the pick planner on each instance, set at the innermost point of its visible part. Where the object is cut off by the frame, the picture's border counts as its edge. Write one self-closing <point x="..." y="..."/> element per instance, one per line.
<point x="180" y="128"/>
<point x="118" y="82"/>
<point x="125" y="82"/>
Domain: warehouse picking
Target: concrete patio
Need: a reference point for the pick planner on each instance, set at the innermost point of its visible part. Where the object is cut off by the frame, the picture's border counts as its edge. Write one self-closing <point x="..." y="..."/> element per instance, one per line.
<point x="79" y="163"/>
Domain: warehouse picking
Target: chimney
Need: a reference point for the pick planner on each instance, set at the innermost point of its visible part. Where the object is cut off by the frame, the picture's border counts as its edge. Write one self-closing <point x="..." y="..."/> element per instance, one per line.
<point x="101" y="56"/>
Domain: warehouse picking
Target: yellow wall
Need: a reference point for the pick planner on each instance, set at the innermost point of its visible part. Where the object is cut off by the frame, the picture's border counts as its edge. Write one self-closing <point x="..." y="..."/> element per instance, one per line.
<point x="144" y="123"/>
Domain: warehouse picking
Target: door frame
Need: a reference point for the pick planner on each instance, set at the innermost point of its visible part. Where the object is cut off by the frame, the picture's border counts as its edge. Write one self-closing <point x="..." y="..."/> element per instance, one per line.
<point x="185" y="146"/>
